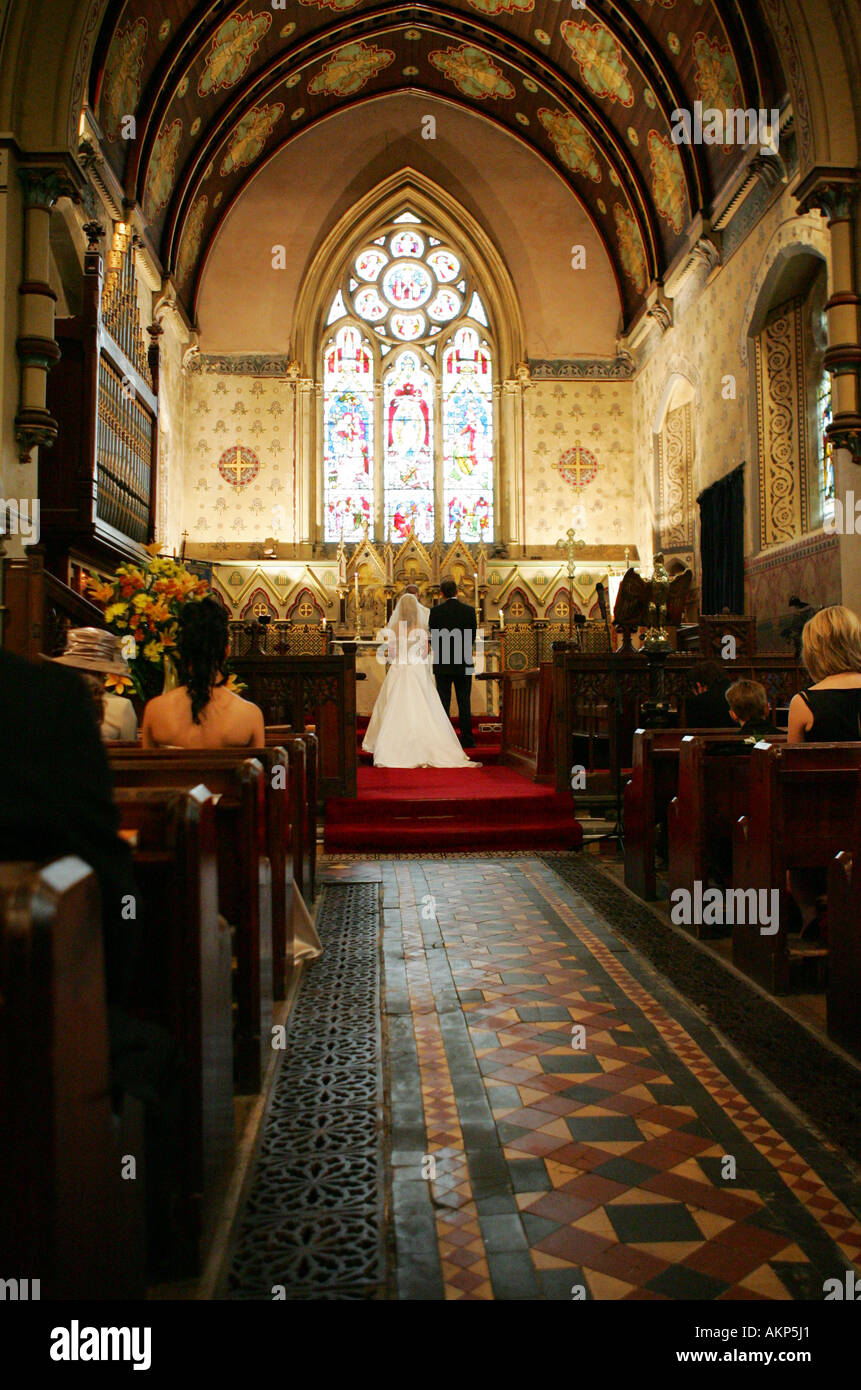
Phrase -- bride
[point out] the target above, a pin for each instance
(409, 727)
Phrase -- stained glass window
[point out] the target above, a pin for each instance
(467, 412)
(826, 449)
(386, 458)
(408, 459)
(348, 434)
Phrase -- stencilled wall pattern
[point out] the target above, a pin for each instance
(599, 502)
(675, 464)
(252, 497)
(782, 404)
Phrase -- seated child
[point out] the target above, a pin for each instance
(749, 708)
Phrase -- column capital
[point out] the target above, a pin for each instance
(45, 180)
(833, 192)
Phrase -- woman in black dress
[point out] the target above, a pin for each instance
(829, 711)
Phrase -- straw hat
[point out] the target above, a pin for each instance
(93, 649)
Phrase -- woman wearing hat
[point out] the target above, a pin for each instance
(96, 654)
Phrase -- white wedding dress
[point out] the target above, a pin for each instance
(409, 727)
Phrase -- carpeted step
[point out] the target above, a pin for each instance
(434, 836)
(430, 809)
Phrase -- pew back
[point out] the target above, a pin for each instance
(66, 1217)
(244, 880)
(804, 805)
(305, 760)
(183, 980)
(284, 810)
(653, 783)
(713, 790)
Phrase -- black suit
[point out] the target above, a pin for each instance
(453, 628)
(709, 710)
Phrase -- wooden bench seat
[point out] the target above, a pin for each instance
(646, 798)
(844, 945)
(284, 808)
(713, 790)
(307, 769)
(182, 980)
(244, 878)
(803, 810)
(67, 1219)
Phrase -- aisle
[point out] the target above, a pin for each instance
(525, 1159)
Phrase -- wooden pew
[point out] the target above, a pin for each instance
(646, 797)
(183, 980)
(803, 810)
(283, 736)
(66, 1217)
(244, 878)
(844, 945)
(284, 807)
(713, 790)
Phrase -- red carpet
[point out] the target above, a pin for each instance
(433, 809)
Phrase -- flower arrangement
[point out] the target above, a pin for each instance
(142, 605)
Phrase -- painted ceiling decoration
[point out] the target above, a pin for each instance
(216, 89)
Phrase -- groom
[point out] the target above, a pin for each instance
(452, 632)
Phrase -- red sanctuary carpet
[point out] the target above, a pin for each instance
(432, 809)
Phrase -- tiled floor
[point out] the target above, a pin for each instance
(563, 1125)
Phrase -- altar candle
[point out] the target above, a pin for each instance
(324, 622)
(356, 592)
(475, 577)
(501, 620)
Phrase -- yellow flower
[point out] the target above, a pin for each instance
(153, 651)
(234, 684)
(118, 684)
(118, 613)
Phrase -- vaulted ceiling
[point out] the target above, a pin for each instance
(215, 89)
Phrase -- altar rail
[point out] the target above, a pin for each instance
(585, 693)
(527, 721)
(316, 692)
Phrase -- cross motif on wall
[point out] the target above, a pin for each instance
(239, 467)
(305, 610)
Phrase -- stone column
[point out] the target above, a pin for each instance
(306, 400)
(834, 192)
(36, 346)
(510, 526)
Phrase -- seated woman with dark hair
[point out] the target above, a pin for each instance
(201, 712)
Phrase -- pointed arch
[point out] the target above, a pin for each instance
(428, 199)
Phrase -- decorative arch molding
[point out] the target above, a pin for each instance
(678, 369)
(356, 226)
(795, 236)
(814, 49)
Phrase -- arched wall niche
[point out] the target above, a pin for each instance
(782, 336)
(675, 453)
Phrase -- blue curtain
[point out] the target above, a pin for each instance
(722, 544)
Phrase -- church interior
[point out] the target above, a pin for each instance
(555, 307)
